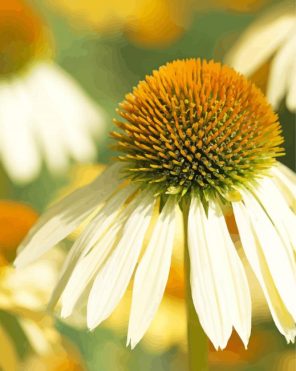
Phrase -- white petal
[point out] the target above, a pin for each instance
(46, 123)
(277, 209)
(253, 251)
(99, 236)
(286, 181)
(86, 269)
(279, 259)
(63, 114)
(66, 215)
(260, 41)
(152, 274)
(18, 147)
(70, 100)
(70, 110)
(112, 281)
(287, 172)
(291, 100)
(280, 72)
(219, 287)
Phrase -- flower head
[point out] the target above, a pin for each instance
(197, 126)
(44, 114)
(199, 136)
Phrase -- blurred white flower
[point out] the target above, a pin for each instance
(44, 114)
(272, 36)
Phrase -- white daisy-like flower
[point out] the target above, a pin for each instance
(200, 136)
(273, 36)
(44, 114)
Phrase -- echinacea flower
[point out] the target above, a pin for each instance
(198, 135)
(271, 38)
(44, 114)
(23, 297)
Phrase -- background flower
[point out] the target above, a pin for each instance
(44, 114)
(270, 40)
(23, 298)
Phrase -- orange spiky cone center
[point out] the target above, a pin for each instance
(197, 125)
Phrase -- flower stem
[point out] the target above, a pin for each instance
(196, 338)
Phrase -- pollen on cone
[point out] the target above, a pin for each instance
(197, 124)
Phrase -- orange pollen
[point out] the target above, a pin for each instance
(197, 125)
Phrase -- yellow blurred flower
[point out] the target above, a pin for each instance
(266, 53)
(15, 221)
(24, 295)
(148, 23)
(157, 22)
(286, 362)
(44, 114)
(59, 361)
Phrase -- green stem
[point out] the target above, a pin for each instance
(196, 338)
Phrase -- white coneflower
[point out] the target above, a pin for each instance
(271, 37)
(44, 114)
(198, 135)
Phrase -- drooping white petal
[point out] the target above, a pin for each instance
(286, 181)
(279, 259)
(90, 239)
(86, 269)
(287, 172)
(75, 114)
(46, 124)
(280, 72)
(18, 148)
(152, 274)
(79, 285)
(290, 99)
(255, 256)
(261, 40)
(70, 101)
(112, 280)
(219, 287)
(283, 218)
(66, 215)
